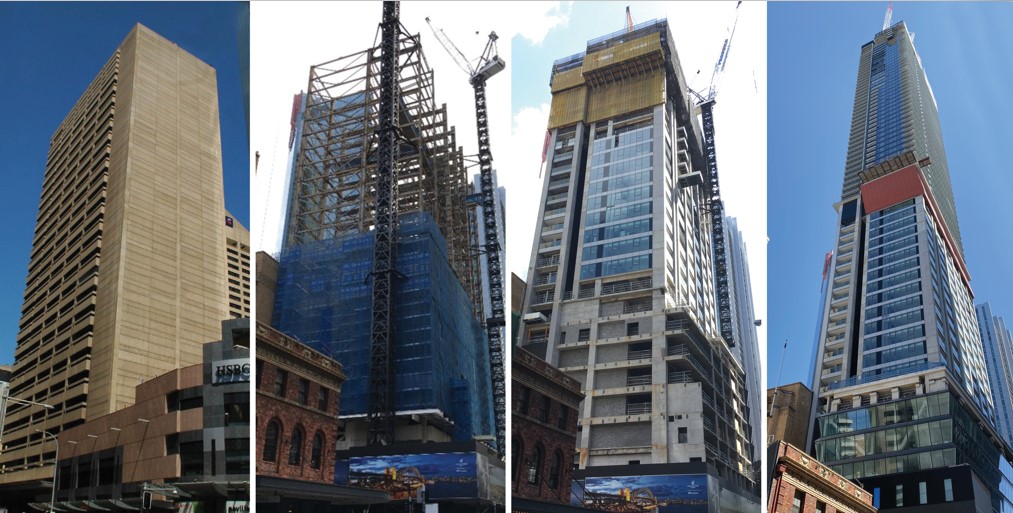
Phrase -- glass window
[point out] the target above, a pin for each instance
(322, 398)
(271, 441)
(554, 470)
(191, 458)
(317, 451)
(237, 456)
(295, 448)
(280, 380)
(948, 489)
(522, 400)
(534, 465)
(563, 418)
(237, 409)
(304, 391)
(899, 496)
(923, 493)
(683, 435)
(796, 503)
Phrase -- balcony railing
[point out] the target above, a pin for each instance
(638, 355)
(556, 197)
(626, 286)
(676, 325)
(643, 307)
(585, 293)
(547, 261)
(546, 280)
(543, 297)
(632, 381)
(681, 377)
(638, 408)
(551, 244)
(869, 378)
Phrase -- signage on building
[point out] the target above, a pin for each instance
(458, 475)
(670, 493)
(237, 507)
(228, 221)
(236, 370)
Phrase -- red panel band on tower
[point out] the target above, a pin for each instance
(902, 185)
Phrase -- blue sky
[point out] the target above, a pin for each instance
(49, 53)
(966, 49)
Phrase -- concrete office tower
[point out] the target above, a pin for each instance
(998, 344)
(237, 263)
(126, 279)
(747, 347)
(899, 342)
(621, 291)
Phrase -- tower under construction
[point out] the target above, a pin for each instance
(378, 267)
(622, 293)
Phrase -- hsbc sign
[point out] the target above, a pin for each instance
(230, 371)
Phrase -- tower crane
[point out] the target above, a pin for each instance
(713, 190)
(381, 372)
(488, 65)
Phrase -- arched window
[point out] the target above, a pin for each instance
(271, 440)
(517, 450)
(554, 468)
(535, 465)
(295, 449)
(318, 449)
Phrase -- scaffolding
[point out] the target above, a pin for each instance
(333, 181)
(440, 351)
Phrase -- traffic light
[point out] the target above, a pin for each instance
(146, 500)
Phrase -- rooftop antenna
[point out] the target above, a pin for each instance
(888, 17)
(629, 20)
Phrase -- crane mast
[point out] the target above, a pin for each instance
(381, 371)
(488, 65)
(713, 192)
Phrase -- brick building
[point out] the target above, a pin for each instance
(800, 484)
(298, 391)
(297, 408)
(543, 431)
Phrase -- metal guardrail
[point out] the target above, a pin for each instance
(546, 280)
(638, 355)
(540, 299)
(646, 307)
(542, 262)
(638, 408)
(626, 286)
(632, 381)
(871, 378)
(585, 293)
(681, 377)
(556, 197)
(676, 325)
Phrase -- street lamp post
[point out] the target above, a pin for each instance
(56, 468)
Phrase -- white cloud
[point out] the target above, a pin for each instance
(518, 170)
